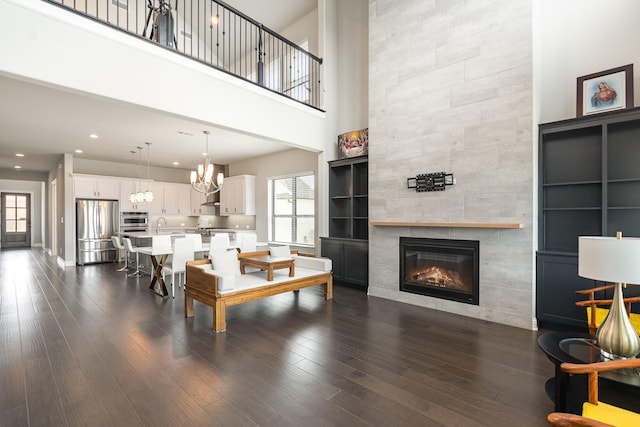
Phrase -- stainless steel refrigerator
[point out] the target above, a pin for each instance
(96, 222)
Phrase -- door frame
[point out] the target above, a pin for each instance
(3, 233)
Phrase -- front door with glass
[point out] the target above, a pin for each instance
(16, 220)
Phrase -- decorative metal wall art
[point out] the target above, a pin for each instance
(430, 181)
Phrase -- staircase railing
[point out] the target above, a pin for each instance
(215, 34)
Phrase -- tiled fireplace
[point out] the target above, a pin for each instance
(441, 268)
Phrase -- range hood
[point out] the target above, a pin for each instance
(212, 200)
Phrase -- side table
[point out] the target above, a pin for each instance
(569, 391)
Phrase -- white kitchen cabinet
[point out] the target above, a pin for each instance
(238, 195)
(196, 201)
(96, 187)
(170, 199)
(156, 206)
(184, 199)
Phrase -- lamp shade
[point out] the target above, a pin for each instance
(609, 259)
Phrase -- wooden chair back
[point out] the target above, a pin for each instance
(595, 413)
(592, 304)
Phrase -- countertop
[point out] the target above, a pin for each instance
(181, 232)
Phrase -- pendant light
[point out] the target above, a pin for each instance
(132, 196)
(139, 197)
(202, 177)
(148, 195)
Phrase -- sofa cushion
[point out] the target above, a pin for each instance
(280, 251)
(313, 263)
(258, 279)
(226, 263)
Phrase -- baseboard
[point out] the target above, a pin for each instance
(64, 264)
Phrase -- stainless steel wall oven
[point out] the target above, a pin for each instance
(134, 221)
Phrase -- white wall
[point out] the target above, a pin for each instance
(129, 170)
(306, 28)
(353, 66)
(580, 37)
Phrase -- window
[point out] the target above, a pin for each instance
(15, 213)
(298, 78)
(292, 209)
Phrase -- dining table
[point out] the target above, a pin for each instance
(158, 257)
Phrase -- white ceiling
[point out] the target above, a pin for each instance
(43, 122)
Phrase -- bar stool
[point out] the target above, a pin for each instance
(130, 249)
(120, 247)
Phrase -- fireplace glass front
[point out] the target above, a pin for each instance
(440, 268)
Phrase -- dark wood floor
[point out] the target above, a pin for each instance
(86, 347)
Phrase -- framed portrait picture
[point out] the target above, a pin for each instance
(607, 90)
(353, 144)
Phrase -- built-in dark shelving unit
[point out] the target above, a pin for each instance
(589, 184)
(347, 244)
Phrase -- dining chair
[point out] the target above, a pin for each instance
(248, 242)
(197, 245)
(120, 247)
(219, 243)
(131, 250)
(196, 239)
(182, 253)
(160, 242)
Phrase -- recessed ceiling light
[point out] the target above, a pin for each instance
(79, 151)
(17, 167)
(93, 136)
(19, 155)
(181, 132)
(175, 163)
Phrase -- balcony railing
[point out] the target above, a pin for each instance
(213, 33)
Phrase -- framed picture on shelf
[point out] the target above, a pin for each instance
(607, 90)
(353, 144)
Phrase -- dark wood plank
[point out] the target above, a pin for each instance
(89, 346)
(16, 417)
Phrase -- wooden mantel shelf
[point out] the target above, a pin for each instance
(446, 224)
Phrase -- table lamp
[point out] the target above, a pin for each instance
(615, 260)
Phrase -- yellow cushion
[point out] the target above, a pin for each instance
(601, 314)
(610, 414)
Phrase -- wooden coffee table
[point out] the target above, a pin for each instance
(268, 263)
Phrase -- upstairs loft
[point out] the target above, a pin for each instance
(214, 33)
(47, 45)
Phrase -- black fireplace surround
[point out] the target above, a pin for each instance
(440, 268)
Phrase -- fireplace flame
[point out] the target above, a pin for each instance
(440, 277)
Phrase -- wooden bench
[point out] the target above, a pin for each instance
(205, 286)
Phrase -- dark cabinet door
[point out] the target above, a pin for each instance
(356, 263)
(334, 249)
(350, 260)
(557, 283)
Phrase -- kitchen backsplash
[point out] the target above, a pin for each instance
(214, 221)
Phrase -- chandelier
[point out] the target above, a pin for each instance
(142, 196)
(202, 178)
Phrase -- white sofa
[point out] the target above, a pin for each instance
(225, 286)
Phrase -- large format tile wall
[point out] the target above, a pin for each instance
(451, 90)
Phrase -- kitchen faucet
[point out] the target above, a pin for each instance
(164, 221)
